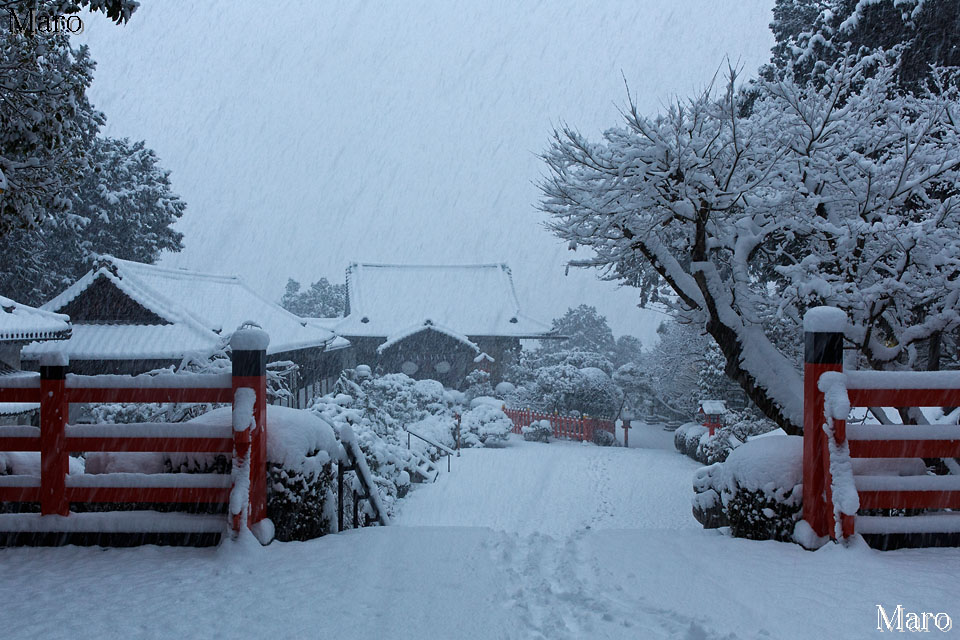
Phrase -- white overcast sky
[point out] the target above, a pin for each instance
(305, 135)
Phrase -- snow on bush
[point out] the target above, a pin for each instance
(504, 389)
(478, 384)
(566, 389)
(757, 491)
(693, 440)
(301, 450)
(484, 425)
(603, 438)
(687, 438)
(537, 431)
(378, 410)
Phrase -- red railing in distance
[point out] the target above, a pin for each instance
(580, 428)
(829, 394)
(55, 390)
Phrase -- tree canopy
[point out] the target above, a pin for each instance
(739, 219)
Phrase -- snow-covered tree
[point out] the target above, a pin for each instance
(321, 300)
(585, 329)
(837, 192)
(123, 206)
(627, 349)
(47, 124)
(813, 34)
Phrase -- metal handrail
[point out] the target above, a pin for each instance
(444, 450)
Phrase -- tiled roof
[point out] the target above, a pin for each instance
(474, 300)
(426, 326)
(200, 307)
(22, 323)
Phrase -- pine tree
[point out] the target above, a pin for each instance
(124, 206)
(47, 124)
(321, 300)
(811, 35)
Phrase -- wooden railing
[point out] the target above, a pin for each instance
(55, 390)
(571, 427)
(832, 495)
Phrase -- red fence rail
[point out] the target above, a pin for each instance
(829, 394)
(55, 390)
(571, 427)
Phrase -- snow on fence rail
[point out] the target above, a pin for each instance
(832, 495)
(573, 427)
(54, 390)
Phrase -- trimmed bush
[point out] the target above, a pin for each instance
(757, 491)
(484, 425)
(604, 438)
(537, 431)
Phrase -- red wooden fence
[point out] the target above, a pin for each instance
(55, 439)
(571, 427)
(829, 393)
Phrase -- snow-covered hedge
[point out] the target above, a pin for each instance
(537, 431)
(687, 438)
(378, 410)
(603, 438)
(756, 491)
(301, 454)
(566, 389)
(483, 425)
(301, 451)
(692, 440)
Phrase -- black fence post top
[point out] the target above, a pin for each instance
(53, 366)
(823, 329)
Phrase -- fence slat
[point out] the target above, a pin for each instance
(112, 395)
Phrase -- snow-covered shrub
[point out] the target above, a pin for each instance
(504, 389)
(757, 491)
(537, 431)
(604, 438)
(402, 398)
(478, 384)
(687, 438)
(301, 451)
(484, 425)
(566, 389)
(740, 425)
(378, 410)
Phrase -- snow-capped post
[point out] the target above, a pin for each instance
(54, 459)
(823, 329)
(249, 362)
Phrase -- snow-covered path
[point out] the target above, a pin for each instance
(500, 548)
(558, 489)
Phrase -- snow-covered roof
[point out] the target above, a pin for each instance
(129, 342)
(17, 408)
(713, 407)
(473, 300)
(324, 323)
(200, 307)
(427, 325)
(23, 323)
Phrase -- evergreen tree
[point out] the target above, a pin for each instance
(585, 329)
(124, 206)
(321, 300)
(811, 35)
(628, 349)
(47, 124)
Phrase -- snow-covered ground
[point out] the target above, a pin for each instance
(528, 541)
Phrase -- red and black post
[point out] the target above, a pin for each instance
(822, 352)
(54, 459)
(249, 362)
